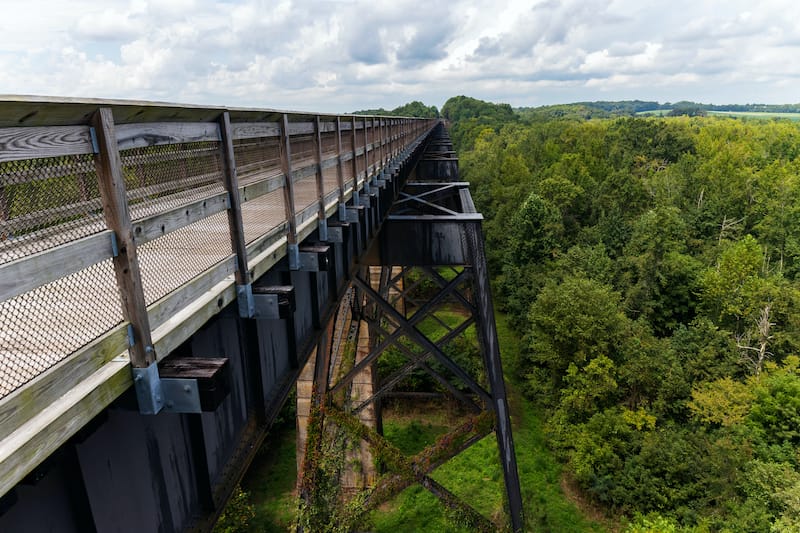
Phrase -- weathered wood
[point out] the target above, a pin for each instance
(126, 265)
(286, 166)
(212, 375)
(320, 182)
(366, 151)
(178, 327)
(35, 142)
(255, 130)
(155, 134)
(49, 428)
(339, 160)
(155, 226)
(235, 224)
(39, 269)
(354, 160)
(300, 128)
(182, 297)
(24, 404)
(265, 241)
(253, 190)
(182, 312)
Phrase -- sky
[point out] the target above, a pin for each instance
(343, 55)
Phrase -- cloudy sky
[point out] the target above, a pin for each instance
(342, 55)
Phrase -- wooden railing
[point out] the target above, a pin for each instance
(125, 226)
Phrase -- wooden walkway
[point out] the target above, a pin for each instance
(143, 217)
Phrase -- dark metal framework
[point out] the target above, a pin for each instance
(434, 232)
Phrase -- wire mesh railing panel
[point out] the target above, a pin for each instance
(159, 178)
(262, 214)
(347, 140)
(40, 328)
(360, 166)
(47, 202)
(256, 158)
(329, 143)
(305, 193)
(330, 179)
(304, 150)
(170, 261)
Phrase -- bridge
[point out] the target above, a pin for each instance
(166, 272)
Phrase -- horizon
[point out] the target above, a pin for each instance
(337, 55)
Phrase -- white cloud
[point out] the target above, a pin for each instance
(344, 55)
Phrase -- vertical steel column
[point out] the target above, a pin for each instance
(487, 331)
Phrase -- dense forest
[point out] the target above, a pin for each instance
(652, 268)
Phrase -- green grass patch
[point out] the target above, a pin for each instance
(271, 482)
(413, 436)
(756, 114)
(474, 475)
(414, 509)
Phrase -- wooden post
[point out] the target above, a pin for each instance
(354, 161)
(339, 163)
(231, 182)
(321, 220)
(288, 189)
(126, 265)
(382, 153)
(366, 152)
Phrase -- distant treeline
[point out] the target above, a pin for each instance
(607, 109)
(411, 109)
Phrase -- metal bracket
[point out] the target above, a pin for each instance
(293, 254)
(322, 228)
(149, 393)
(266, 307)
(244, 297)
(131, 336)
(114, 244)
(182, 395)
(352, 215)
(274, 302)
(95, 144)
(335, 234)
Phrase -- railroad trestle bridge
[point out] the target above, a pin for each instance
(166, 271)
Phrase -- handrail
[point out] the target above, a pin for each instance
(160, 177)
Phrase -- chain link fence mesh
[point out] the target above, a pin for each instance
(47, 202)
(159, 178)
(40, 328)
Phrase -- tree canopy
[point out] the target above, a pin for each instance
(652, 267)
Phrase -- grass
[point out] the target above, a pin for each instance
(739, 114)
(474, 475)
(271, 482)
(756, 114)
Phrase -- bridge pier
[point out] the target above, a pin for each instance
(432, 228)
